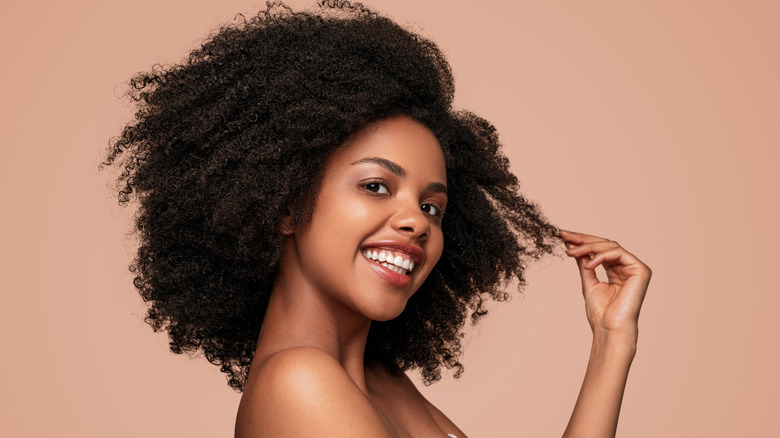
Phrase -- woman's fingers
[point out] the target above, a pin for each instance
(592, 251)
(572, 237)
(610, 256)
(579, 238)
(588, 276)
(582, 247)
(592, 248)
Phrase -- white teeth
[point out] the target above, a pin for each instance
(393, 268)
(398, 263)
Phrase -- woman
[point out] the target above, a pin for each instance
(316, 219)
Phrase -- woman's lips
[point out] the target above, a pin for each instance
(387, 274)
(401, 254)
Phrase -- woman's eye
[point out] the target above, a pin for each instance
(377, 187)
(431, 209)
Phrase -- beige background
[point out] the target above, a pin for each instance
(654, 123)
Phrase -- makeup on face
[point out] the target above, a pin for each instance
(375, 232)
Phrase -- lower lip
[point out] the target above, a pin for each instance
(392, 277)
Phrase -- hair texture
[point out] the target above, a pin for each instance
(229, 142)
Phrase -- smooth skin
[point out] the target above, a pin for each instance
(308, 376)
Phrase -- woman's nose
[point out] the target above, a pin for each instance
(412, 221)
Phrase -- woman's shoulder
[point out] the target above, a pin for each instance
(292, 392)
(296, 362)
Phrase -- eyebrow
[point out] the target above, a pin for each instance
(398, 170)
(387, 164)
(437, 188)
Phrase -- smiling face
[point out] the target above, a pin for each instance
(375, 232)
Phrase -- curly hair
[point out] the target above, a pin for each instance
(226, 144)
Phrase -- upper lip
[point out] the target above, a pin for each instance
(415, 252)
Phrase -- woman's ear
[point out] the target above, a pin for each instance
(285, 226)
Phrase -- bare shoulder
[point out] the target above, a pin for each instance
(303, 392)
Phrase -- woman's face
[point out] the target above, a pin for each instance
(375, 232)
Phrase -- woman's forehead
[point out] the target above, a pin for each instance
(398, 141)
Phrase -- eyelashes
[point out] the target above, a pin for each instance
(433, 210)
(377, 187)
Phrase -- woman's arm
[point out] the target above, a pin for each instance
(612, 309)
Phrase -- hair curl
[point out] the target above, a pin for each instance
(230, 141)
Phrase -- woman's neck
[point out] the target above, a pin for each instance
(299, 316)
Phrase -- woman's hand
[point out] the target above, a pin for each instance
(612, 307)
(613, 313)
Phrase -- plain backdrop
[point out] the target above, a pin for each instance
(654, 123)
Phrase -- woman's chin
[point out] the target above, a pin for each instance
(386, 312)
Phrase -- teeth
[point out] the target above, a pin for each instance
(400, 263)
(393, 268)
